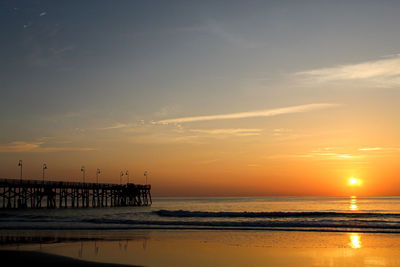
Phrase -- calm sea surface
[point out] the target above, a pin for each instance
(364, 214)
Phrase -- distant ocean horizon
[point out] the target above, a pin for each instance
(344, 214)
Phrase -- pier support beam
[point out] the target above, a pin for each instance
(17, 194)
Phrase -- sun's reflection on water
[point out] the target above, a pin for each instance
(355, 240)
(353, 203)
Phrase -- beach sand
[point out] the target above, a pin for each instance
(161, 248)
(34, 258)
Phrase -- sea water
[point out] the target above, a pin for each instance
(362, 214)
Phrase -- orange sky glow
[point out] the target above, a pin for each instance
(209, 99)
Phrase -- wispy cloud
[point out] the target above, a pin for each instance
(21, 146)
(325, 153)
(379, 149)
(337, 153)
(280, 131)
(236, 132)
(370, 149)
(332, 153)
(251, 114)
(165, 139)
(224, 32)
(319, 156)
(207, 162)
(385, 72)
(253, 165)
(284, 134)
(130, 127)
(168, 110)
(61, 50)
(58, 149)
(115, 126)
(27, 25)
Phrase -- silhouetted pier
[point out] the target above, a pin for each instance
(16, 194)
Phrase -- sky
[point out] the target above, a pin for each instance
(211, 98)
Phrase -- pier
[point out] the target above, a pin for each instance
(23, 194)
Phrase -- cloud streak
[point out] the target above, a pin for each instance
(379, 149)
(21, 146)
(252, 114)
(115, 126)
(236, 131)
(225, 33)
(383, 71)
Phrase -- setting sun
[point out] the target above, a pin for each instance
(354, 181)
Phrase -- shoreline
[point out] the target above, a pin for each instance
(200, 248)
(35, 258)
(222, 229)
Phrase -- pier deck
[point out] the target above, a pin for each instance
(15, 193)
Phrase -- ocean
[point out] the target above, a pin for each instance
(342, 214)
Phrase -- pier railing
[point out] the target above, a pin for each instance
(16, 193)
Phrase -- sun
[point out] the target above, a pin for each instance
(354, 181)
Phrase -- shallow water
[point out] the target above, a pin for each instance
(377, 214)
(217, 248)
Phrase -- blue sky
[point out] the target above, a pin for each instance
(92, 75)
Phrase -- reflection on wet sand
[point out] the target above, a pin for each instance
(233, 248)
(96, 248)
(355, 240)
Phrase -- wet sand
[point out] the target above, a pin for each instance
(34, 258)
(213, 248)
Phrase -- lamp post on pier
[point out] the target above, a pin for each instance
(145, 174)
(44, 168)
(83, 170)
(20, 165)
(97, 175)
(127, 176)
(120, 177)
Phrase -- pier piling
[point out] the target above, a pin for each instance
(19, 194)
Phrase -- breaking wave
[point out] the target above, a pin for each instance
(302, 214)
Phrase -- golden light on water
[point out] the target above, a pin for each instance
(353, 203)
(355, 240)
(353, 207)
